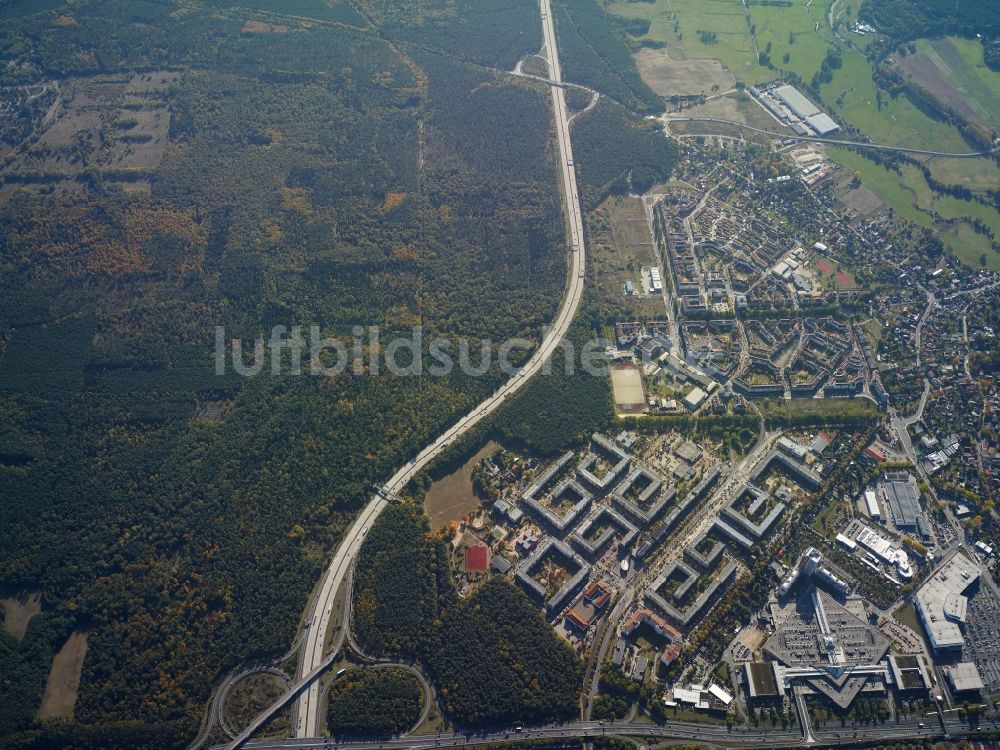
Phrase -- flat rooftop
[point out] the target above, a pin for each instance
(939, 601)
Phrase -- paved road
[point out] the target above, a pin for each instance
(667, 119)
(704, 733)
(308, 704)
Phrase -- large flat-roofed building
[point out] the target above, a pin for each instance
(965, 678)
(822, 123)
(903, 500)
(650, 498)
(792, 448)
(599, 528)
(827, 648)
(602, 448)
(763, 681)
(792, 98)
(577, 572)
(694, 399)
(646, 618)
(910, 673)
(871, 505)
(678, 606)
(941, 604)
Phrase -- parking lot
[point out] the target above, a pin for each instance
(982, 635)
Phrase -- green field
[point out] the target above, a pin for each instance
(960, 62)
(970, 247)
(881, 181)
(726, 19)
(975, 174)
(792, 31)
(853, 97)
(802, 31)
(886, 184)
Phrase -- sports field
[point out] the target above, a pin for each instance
(626, 383)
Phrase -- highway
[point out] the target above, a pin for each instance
(712, 734)
(308, 708)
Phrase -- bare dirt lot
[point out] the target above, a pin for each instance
(669, 77)
(932, 78)
(18, 611)
(64, 679)
(451, 497)
(737, 107)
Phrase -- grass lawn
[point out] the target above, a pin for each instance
(969, 247)
(825, 407)
(874, 330)
(914, 178)
(733, 46)
(908, 616)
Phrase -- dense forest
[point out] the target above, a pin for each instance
(594, 53)
(374, 702)
(315, 173)
(497, 632)
(616, 152)
(566, 405)
(905, 20)
(401, 584)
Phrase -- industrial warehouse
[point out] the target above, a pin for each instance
(794, 109)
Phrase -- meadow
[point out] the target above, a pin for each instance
(954, 71)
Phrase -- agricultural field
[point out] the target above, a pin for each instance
(953, 70)
(882, 182)
(975, 174)
(971, 248)
(670, 77)
(853, 97)
(799, 31)
(697, 29)
(725, 31)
